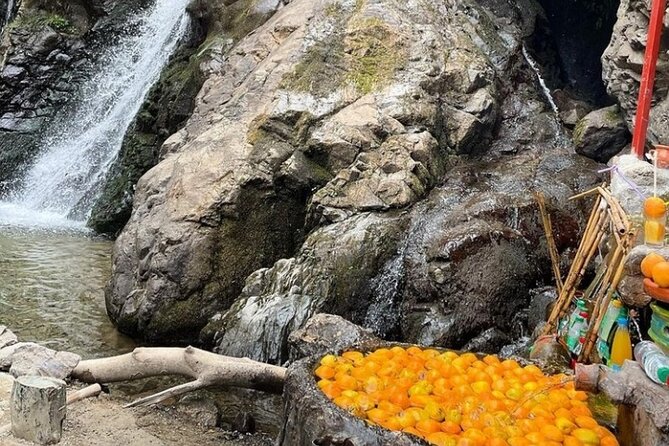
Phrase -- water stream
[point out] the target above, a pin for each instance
(78, 149)
(52, 269)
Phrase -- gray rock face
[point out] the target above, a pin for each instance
(331, 273)
(622, 65)
(292, 125)
(325, 333)
(601, 134)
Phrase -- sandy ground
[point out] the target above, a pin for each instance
(103, 421)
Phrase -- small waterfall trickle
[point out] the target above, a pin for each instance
(9, 13)
(78, 149)
(560, 136)
(383, 315)
(544, 88)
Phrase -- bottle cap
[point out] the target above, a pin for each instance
(581, 304)
(622, 320)
(663, 374)
(616, 303)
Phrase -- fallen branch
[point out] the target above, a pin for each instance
(86, 392)
(207, 369)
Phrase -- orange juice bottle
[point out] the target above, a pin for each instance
(622, 345)
(655, 216)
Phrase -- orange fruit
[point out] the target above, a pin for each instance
(609, 441)
(450, 427)
(552, 433)
(586, 422)
(572, 441)
(654, 207)
(649, 262)
(661, 274)
(587, 436)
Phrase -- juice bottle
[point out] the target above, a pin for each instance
(613, 312)
(655, 216)
(621, 349)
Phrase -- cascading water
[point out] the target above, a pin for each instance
(382, 315)
(10, 11)
(63, 183)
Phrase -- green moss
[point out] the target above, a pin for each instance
(321, 70)
(579, 132)
(242, 19)
(364, 53)
(376, 55)
(41, 19)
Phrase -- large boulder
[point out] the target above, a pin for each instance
(623, 62)
(331, 113)
(478, 247)
(601, 134)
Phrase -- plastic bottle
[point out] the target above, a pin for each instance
(613, 312)
(653, 360)
(576, 330)
(621, 349)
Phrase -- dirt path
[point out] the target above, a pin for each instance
(104, 422)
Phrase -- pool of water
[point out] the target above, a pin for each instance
(52, 288)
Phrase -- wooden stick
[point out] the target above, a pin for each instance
(591, 336)
(86, 392)
(550, 241)
(584, 194)
(569, 288)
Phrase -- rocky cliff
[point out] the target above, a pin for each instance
(623, 63)
(332, 140)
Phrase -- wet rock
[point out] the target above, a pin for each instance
(472, 256)
(571, 109)
(200, 410)
(490, 341)
(27, 358)
(331, 273)
(551, 354)
(541, 304)
(640, 173)
(7, 338)
(325, 333)
(601, 134)
(632, 293)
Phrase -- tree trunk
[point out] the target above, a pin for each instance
(38, 409)
(207, 369)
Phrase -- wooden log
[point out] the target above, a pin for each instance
(207, 369)
(38, 409)
(86, 392)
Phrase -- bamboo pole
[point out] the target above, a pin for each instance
(591, 336)
(569, 288)
(550, 241)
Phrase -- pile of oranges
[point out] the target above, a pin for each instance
(655, 267)
(460, 400)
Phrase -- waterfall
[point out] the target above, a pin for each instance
(383, 314)
(10, 11)
(78, 149)
(544, 88)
